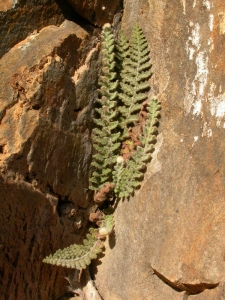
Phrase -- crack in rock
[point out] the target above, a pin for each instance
(190, 288)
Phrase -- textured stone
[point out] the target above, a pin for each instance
(39, 92)
(169, 236)
(6, 5)
(29, 230)
(20, 18)
(48, 83)
(97, 12)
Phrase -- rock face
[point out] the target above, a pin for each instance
(169, 237)
(45, 120)
(20, 18)
(40, 89)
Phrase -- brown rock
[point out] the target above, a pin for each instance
(169, 238)
(18, 19)
(28, 231)
(97, 12)
(213, 294)
(5, 5)
(44, 155)
(38, 91)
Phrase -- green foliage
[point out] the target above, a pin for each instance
(132, 63)
(135, 72)
(127, 174)
(122, 52)
(122, 108)
(106, 134)
(126, 118)
(80, 256)
(107, 224)
(77, 256)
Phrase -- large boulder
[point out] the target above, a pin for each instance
(169, 238)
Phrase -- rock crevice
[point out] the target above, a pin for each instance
(190, 288)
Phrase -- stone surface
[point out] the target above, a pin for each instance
(20, 18)
(6, 5)
(29, 230)
(97, 12)
(38, 90)
(48, 83)
(169, 238)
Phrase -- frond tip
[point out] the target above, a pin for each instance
(78, 256)
(135, 71)
(106, 134)
(107, 226)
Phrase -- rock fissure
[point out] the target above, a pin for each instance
(190, 288)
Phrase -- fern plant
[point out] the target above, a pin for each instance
(132, 63)
(80, 256)
(77, 256)
(122, 108)
(105, 135)
(123, 137)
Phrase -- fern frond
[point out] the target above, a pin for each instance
(121, 54)
(135, 72)
(107, 132)
(126, 176)
(78, 256)
(132, 63)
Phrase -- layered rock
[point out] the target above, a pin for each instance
(48, 83)
(20, 18)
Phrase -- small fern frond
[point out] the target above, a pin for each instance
(106, 135)
(78, 256)
(135, 73)
(127, 174)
